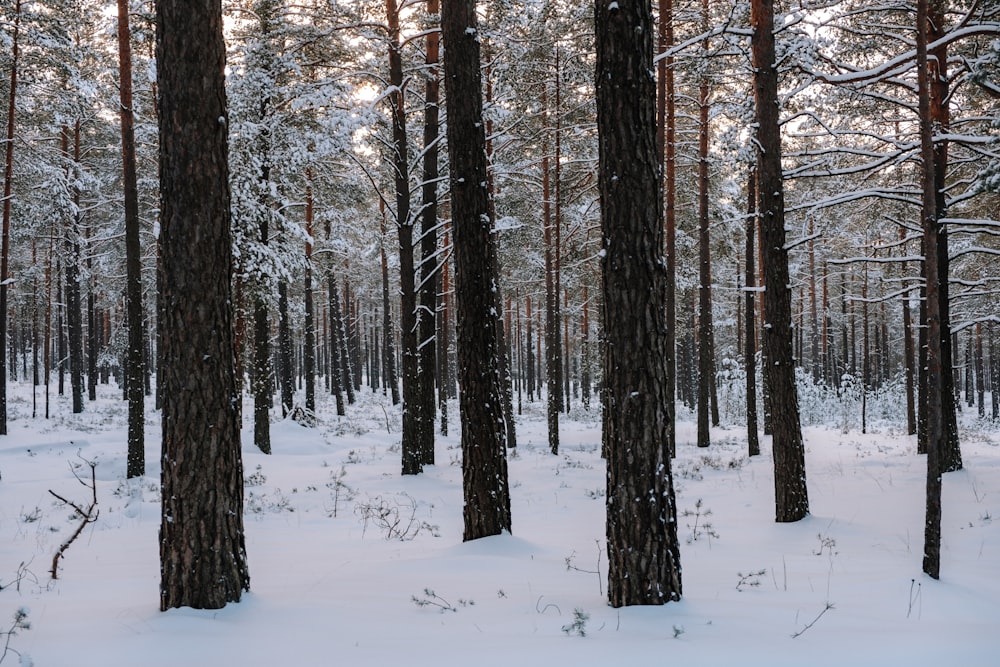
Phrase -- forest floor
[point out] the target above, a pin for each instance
(353, 564)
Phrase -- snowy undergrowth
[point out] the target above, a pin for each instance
(353, 564)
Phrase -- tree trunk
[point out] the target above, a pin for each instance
(484, 463)
(427, 366)
(336, 344)
(553, 356)
(135, 362)
(665, 123)
(202, 549)
(412, 448)
(791, 496)
(309, 333)
(908, 354)
(286, 381)
(8, 182)
(74, 316)
(643, 552)
(388, 345)
(706, 364)
(934, 394)
(750, 337)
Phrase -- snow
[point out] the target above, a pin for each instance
(330, 587)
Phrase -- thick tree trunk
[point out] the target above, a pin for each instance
(791, 496)
(484, 463)
(135, 361)
(643, 552)
(202, 550)
(666, 149)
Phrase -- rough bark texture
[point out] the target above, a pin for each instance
(791, 496)
(134, 358)
(202, 552)
(643, 552)
(484, 463)
(706, 335)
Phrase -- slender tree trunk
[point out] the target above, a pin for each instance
(135, 363)
(643, 551)
(935, 360)
(286, 380)
(427, 367)
(553, 357)
(444, 337)
(8, 182)
(706, 364)
(750, 337)
(484, 463)
(940, 118)
(202, 548)
(980, 371)
(412, 448)
(908, 354)
(388, 345)
(74, 317)
(666, 130)
(309, 335)
(336, 344)
(791, 496)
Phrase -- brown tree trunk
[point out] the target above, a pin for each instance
(427, 367)
(484, 463)
(286, 381)
(706, 362)
(202, 549)
(336, 344)
(135, 362)
(666, 130)
(388, 344)
(908, 355)
(8, 182)
(553, 357)
(934, 394)
(750, 350)
(643, 551)
(412, 448)
(791, 496)
(309, 333)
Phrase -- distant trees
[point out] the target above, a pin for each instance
(202, 551)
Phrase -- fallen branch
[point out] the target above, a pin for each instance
(86, 516)
(828, 607)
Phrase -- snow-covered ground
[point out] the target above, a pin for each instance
(353, 564)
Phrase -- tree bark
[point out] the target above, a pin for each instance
(135, 362)
(286, 381)
(8, 182)
(484, 463)
(336, 344)
(934, 394)
(74, 316)
(706, 362)
(791, 496)
(202, 550)
(427, 366)
(750, 337)
(643, 551)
